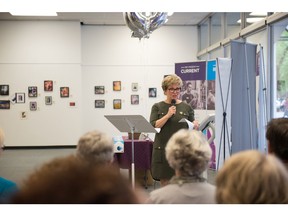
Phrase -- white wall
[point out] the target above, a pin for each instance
(82, 57)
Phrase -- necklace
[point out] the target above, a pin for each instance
(180, 180)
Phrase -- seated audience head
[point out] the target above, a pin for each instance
(277, 138)
(250, 177)
(188, 152)
(69, 180)
(95, 147)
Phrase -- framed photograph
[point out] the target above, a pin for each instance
(33, 105)
(152, 92)
(32, 91)
(20, 97)
(4, 89)
(99, 103)
(117, 103)
(64, 92)
(48, 100)
(48, 85)
(116, 85)
(4, 104)
(134, 86)
(99, 89)
(134, 99)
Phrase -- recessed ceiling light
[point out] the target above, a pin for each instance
(252, 19)
(33, 13)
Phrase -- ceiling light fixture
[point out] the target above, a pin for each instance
(252, 19)
(33, 13)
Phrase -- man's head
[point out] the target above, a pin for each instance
(277, 137)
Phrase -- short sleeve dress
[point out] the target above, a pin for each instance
(160, 168)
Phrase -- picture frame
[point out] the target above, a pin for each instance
(117, 103)
(20, 97)
(32, 91)
(116, 85)
(152, 92)
(64, 92)
(134, 99)
(48, 100)
(4, 104)
(33, 105)
(4, 90)
(99, 89)
(48, 85)
(134, 86)
(99, 103)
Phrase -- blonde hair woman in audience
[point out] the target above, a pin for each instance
(250, 177)
(188, 153)
(96, 147)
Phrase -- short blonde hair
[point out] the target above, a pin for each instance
(250, 177)
(95, 147)
(188, 152)
(170, 80)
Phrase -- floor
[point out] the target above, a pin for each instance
(16, 164)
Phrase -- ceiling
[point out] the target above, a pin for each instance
(108, 18)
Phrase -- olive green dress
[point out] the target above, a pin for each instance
(160, 168)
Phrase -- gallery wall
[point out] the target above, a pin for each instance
(82, 57)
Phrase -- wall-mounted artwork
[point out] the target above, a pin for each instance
(134, 86)
(116, 85)
(99, 89)
(32, 91)
(48, 85)
(64, 91)
(4, 104)
(4, 89)
(48, 100)
(20, 97)
(134, 99)
(117, 104)
(33, 105)
(99, 103)
(152, 92)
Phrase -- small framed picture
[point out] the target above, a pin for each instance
(152, 92)
(32, 91)
(20, 97)
(134, 86)
(99, 103)
(33, 105)
(4, 104)
(4, 89)
(117, 104)
(134, 99)
(48, 85)
(48, 100)
(99, 89)
(116, 85)
(64, 91)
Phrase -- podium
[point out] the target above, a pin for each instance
(131, 124)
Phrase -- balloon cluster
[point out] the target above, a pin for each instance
(143, 24)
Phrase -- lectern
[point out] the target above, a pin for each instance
(131, 124)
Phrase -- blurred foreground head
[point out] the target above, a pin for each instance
(250, 177)
(70, 180)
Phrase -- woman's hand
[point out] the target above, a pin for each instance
(196, 125)
(171, 111)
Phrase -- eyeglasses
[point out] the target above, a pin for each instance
(174, 90)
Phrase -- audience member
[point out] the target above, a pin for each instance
(188, 153)
(7, 187)
(96, 147)
(69, 180)
(277, 138)
(250, 177)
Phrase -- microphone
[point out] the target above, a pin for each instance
(173, 102)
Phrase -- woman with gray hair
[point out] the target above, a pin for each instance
(96, 147)
(188, 153)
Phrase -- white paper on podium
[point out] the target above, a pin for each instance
(190, 124)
